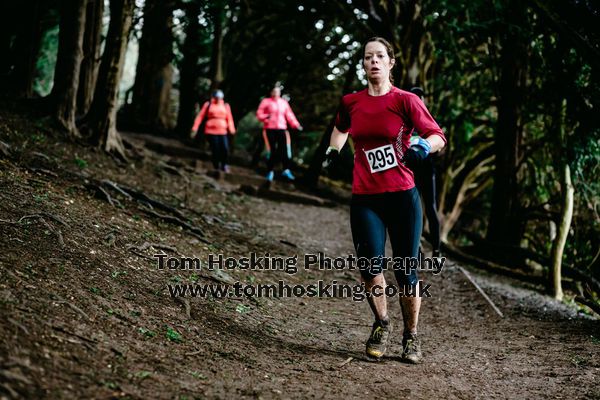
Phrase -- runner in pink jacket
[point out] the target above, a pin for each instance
(276, 115)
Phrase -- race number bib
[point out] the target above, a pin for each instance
(381, 158)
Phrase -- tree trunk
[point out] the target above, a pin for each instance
(472, 184)
(91, 55)
(316, 164)
(20, 44)
(151, 101)
(101, 119)
(216, 61)
(68, 63)
(402, 23)
(505, 226)
(564, 226)
(187, 81)
(566, 214)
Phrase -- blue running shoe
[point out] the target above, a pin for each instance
(288, 174)
(270, 176)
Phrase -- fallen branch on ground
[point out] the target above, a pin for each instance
(73, 307)
(461, 255)
(485, 296)
(595, 307)
(63, 330)
(346, 362)
(43, 171)
(18, 325)
(147, 245)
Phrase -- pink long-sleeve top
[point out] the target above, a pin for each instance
(276, 113)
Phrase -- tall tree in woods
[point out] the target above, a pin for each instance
(315, 167)
(505, 225)
(566, 205)
(101, 118)
(217, 13)
(68, 63)
(91, 55)
(458, 100)
(188, 69)
(151, 100)
(403, 24)
(21, 29)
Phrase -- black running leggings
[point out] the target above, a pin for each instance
(399, 213)
(280, 151)
(219, 146)
(425, 181)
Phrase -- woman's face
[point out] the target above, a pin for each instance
(377, 62)
(275, 92)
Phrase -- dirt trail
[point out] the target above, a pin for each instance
(94, 318)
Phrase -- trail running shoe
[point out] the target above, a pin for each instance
(226, 169)
(270, 176)
(288, 174)
(411, 348)
(377, 343)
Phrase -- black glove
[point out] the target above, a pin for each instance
(331, 155)
(414, 156)
(417, 152)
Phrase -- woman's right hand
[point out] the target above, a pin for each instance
(331, 155)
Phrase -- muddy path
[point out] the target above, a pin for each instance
(85, 313)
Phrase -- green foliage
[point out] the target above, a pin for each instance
(95, 290)
(44, 68)
(173, 336)
(80, 162)
(198, 375)
(249, 130)
(143, 374)
(147, 333)
(242, 309)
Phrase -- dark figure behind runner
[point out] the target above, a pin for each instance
(425, 181)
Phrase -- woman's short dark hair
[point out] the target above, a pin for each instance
(388, 48)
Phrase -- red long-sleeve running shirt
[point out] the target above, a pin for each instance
(381, 127)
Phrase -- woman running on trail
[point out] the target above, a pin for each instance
(276, 114)
(425, 182)
(219, 122)
(380, 120)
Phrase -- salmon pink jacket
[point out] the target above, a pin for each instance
(276, 113)
(219, 122)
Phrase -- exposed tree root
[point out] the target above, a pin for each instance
(137, 250)
(148, 204)
(176, 221)
(40, 217)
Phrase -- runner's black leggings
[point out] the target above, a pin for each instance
(219, 146)
(425, 181)
(399, 213)
(279, 148)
